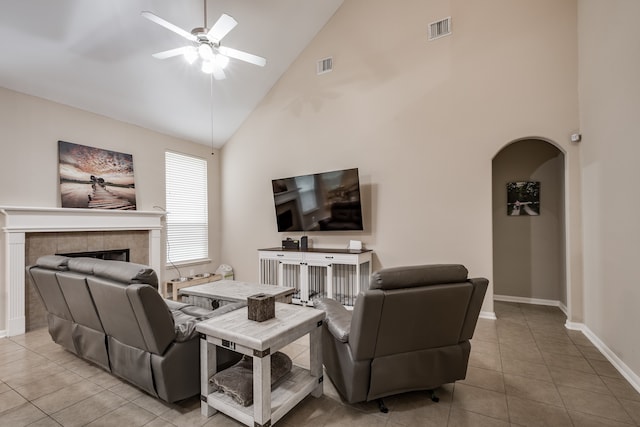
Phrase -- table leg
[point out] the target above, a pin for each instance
(315, 354)
(208, 367)
(163, 289)
(262, 390)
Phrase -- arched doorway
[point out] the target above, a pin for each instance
(528, 238)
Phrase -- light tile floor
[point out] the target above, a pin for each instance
(525, 369)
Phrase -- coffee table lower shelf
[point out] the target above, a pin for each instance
(295, 387)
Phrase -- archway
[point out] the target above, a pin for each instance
(529, 261)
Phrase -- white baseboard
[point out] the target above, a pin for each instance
(488, 315)
(624, 370)
(535, 301)
(3, 334)
(573, 326)
(622, 367)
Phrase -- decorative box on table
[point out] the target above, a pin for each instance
(261, 307)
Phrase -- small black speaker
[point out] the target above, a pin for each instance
(290, 244)
(304, 244)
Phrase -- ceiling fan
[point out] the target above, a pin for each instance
(206, 44)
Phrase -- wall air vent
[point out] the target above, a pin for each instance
(440, 28)
(325, 65)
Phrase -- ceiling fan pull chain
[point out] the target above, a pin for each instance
(212, 113)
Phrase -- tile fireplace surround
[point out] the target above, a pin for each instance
(17, 222)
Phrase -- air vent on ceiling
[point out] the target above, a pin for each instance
(440, 28)
(325, 65)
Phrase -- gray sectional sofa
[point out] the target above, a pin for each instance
(111, 314)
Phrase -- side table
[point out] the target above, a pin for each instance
(259, 340)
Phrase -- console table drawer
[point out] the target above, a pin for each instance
(331, 258)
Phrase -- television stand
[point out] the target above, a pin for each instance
(317, 273)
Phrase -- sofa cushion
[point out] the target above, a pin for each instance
(418, 275)
(55, 262)
(83, 265)
(127, 272)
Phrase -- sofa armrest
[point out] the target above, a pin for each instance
(184, 326)
(174, 305)
(223, 309)
(338, 318)
(186, 318)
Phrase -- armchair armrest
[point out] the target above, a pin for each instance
(338, 318)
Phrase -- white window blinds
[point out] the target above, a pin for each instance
(187, 215)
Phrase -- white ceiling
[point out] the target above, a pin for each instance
(96, 56)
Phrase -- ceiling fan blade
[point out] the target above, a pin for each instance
(221, 28)
(243, 56)
(172, 52)
(218, 73)
(168, 25)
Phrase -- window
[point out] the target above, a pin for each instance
(306, 188)
(187, 213)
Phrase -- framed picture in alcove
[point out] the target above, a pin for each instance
(93, 178)
(523, 198)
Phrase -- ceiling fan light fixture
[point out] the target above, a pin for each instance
(207, 67)
(206, 45)
(206, 52)
(191, 55)
(222, 61)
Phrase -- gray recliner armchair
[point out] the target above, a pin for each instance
(409, 331)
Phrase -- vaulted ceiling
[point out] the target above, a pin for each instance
(96, 56)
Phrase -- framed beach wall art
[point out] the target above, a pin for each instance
(523, 198)
(93, 178)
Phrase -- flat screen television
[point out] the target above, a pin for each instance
(327, 201)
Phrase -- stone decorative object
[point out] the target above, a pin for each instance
(261, 307)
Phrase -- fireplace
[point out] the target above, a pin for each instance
(96, 244)
(111, 254)
(61, 230)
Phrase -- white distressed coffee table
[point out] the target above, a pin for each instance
(234, 291)
(259, 340)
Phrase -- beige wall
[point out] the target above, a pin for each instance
(609, 107)
(31, 128)
(421, 120)
(528, 251)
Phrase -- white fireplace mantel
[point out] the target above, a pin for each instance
(15, 222)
